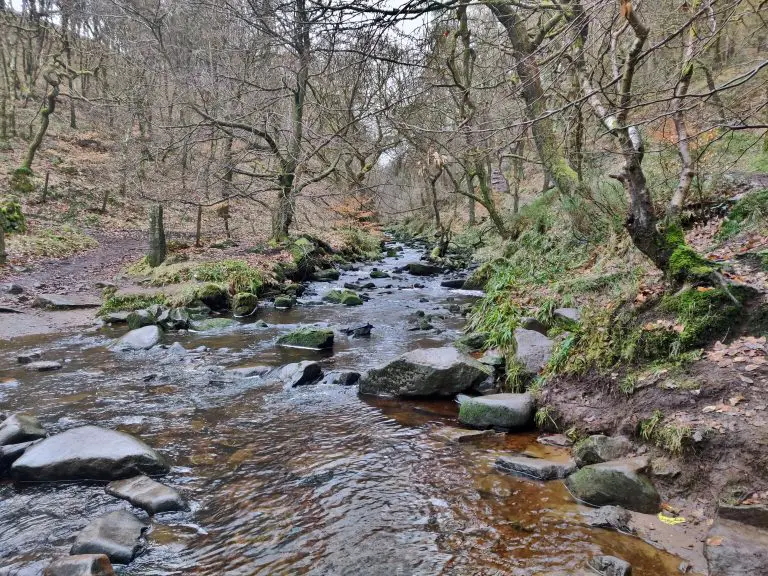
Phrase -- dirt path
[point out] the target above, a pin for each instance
(76, 276)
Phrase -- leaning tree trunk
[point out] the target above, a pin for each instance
(157, 248)
(53, 92)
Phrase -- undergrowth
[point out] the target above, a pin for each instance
(48, 242)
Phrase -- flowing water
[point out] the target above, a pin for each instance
(314, 480)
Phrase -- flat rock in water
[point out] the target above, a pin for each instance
(27, 357)
(139, 339)
(536, 468)
(419, 269)
(503, 411)
(20, 428)
(610, 566)
(81, 565)
(147, 494)
(12, 452)
(736, 549)
(599, 448)
(57, 302)
(300, 374)
(88, 453)
(533, 350)
(117, 535)
(249, 371)
(425, 372)
(459, 435)
(43, 366)
(453, 283)
(610, 517)
(559, 440)
(617, 482)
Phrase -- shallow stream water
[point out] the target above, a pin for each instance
(314, 480)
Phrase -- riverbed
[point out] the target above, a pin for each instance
(312, 480)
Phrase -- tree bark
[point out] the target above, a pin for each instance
(53, 92)
(157, 247)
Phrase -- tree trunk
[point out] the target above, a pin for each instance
(45, 113)
(199, 227)
(3, 255)
(157, 248)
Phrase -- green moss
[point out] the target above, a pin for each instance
(670, 437)
(244, 304)
(12, 218)
(284, 302)
(361, 244)
(472, 342)
(125, 302)
(346, 297)
(308, 338)
(748, 214)
(686, 264)
(212, 324)
(21, 181)
(236, 273)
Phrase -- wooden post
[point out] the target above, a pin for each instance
(157, 248)
(198, 231)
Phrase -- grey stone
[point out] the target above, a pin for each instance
(20, 428)
(610, 566)
(664, 467)
(358, 330)
(88, 453)
(419, 269)
(533, 350)
(567, 314)
(177, 349)
(618, 482)
(12, 452)
(560, 440)
(249, 371)
(536, 468)
(493, 357)
(610, 517)
(13, 288)
(140, 318)
(438, 372)
(736, 549)
(503, 411)
(300, 374)
(43, 366)
(342, 378)
(453, 283)
(753, 514)
(600, 448)
(58, 302)
(116, 535)
(116, 317)
(139, 339)
(81, 565)
(459, 435)
(531, 323)
(147, 494)
(28, 357)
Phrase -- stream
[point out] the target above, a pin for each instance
(313, 480)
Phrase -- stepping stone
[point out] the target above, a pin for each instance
(43, 366)
(28, 357)
(536, 468)
(505, 411)
(459, 435)
(117, 535)
(81, 565)
(20, 428)
(147, 494)
(57, 302)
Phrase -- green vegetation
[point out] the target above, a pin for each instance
(308, 338)
(117, 302)
(360, 244)
(670, 437)
(345, 297)
(12, 218)
(21, 181)
(237, 274)
(48, 242)
(749, 214)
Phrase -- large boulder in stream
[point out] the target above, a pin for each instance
(313, 338)
(435, 372)
(420, 269)
(618, 482)
(500, 411)
(139, 339)
(20, 428)
(116, 535)
(88, 453)
(81, 565)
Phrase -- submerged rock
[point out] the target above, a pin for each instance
(88, 453)
(327, 275)
(502, 411)
(376, 273)
(600, 448)
(459, 435)
(536, 468)
(533, 350)
(212, 324)
(618, 482)
(735, 549)
(300, 374)
(81, 565)
(43, 366)
(139, 339)
(453, 283)
(147, 494)
(439, 372)
(610, 566)
(315, 338)
(116, 535)
(20, 428)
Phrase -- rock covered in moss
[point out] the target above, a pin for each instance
(345, 297)
(284, 302)
(215, 296)
(472, 342)
(208, 324)
(327, 275)
(139, 319)
(315, 338)
(376, 273)
(12, 218)
(421, 269)
(426, 372)
(535, 468)
(244, 304)
(500, 411)
(618, 482)
(479, 278)
(600, 448)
